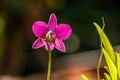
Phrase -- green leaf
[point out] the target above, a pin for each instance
(106, 68)
(111, 67)
(84, 77)
(118, 64)
(107, 77)
(106, 43)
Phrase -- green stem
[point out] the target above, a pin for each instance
(98, 67)
(49, 63)
(101, 54)
(49, 66)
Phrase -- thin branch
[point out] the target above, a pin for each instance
(101, 54)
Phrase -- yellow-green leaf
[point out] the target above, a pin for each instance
(107, 77)
(118, 64)
(106, 68)
(111, 67)
(84, 77)
(105, 41)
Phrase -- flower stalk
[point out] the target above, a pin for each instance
(49, 63)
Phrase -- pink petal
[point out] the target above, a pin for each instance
(60, 45)
(51, 45)
(39, 28)
(37, 44)
(52, 22)
(63, 31)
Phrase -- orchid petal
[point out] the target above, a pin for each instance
(51, 45)
(39, 29)
(60, 45)
(52, 22)
(63, 31)
(37, 44)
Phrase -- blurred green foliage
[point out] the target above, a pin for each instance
(2, 34)
(55, 4)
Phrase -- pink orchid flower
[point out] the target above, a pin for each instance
(51, 33)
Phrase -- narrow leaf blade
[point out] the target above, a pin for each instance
(111, 67)
(118, 64)
(105, 42)
(107, 77)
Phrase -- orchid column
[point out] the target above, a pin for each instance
(50, 35)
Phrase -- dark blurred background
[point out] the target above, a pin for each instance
(16, 37)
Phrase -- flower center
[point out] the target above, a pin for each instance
(50, 36)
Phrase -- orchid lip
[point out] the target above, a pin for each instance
(50, 36)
